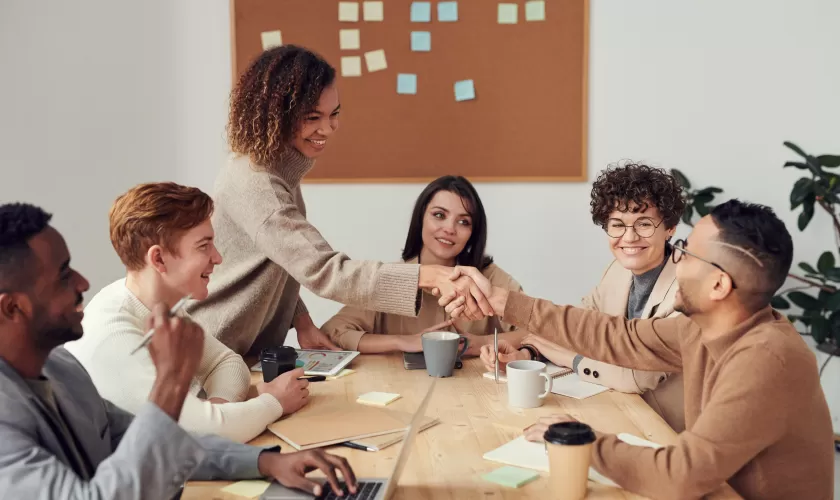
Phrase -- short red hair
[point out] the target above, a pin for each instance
(155, 214)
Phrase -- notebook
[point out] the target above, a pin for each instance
(523, 453)
(570, 385)
(379, 443)
(551, 370)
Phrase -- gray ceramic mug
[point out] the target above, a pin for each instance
(440, 350)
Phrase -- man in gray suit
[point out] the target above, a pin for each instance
(58, 438)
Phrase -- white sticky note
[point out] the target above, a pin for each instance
(464, 90)
(447, 12)
(375, 60)
(421, 41)
(535, 10)
(373, 11)
(348, 12)
(247, 489)
(378, 398)
(406, 83)
(508, 13)
(346, 371)
(349, 39)
(271, 39)
(351, 66)
(421, 12)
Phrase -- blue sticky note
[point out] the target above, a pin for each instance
(464, 90)
(406, 83)
(447, 12)
(421, 41)
(421, 12)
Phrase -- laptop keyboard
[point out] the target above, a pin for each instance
(365, 491)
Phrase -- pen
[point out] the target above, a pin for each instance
(146, 338)
(496, 346)
(355, 446)
(314, 378)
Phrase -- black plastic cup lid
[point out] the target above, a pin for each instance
(569, 433)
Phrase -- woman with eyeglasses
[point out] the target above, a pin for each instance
(639, 208)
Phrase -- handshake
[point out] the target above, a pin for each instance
(463, 291)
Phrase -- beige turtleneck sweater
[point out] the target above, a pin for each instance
(270, 249)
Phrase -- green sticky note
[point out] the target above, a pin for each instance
(299, 364)
(512, 477)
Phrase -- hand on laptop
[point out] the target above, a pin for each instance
(290, 469)
(293, 394)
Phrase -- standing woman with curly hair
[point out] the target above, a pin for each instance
(283, 112)
(638, 208)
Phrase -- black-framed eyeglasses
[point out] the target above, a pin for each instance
(644, 227)
(678, 249)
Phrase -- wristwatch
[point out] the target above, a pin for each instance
(535, 354)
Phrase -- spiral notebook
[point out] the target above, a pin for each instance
(551, 370)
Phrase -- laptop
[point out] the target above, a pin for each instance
(368, 488)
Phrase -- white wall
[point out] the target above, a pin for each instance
(97, 95)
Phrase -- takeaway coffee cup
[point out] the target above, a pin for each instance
(527, 383)
(440, 351)
(568, 445)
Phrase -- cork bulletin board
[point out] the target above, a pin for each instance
(524, 121)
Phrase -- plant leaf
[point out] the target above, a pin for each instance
(819, 329)
(833, 274)
(806, 215)
(702, 210)
(829, 161)
(800, 191)
(803, 300)
(834, 326)
(832, 302)
(807, 268)
(682, 179)
(826, 262)
(687, 214)
(795, 148)
(702, 199)
(780, 303)
(797, 164)
(708, 190)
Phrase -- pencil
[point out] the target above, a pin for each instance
(496, 347)
(148, 337)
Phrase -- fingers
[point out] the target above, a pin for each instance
(458, 312)
(481, 300)
(302, 483)
(318, 460)
(451, 302)
(346, 471)
(535, 433)
(507, 357)
(472, 311)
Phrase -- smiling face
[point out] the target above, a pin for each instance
(318, 125)
(637, 253)
(447, 227)
(187, 270)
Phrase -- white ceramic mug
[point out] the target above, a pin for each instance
(526, 387)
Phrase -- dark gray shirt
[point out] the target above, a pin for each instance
(641, 288)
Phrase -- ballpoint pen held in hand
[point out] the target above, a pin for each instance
(148, 337)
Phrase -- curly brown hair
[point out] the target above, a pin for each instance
(268, 104)
(620, 185)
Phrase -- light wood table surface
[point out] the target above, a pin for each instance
(446, 461)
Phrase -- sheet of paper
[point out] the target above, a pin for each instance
(349, 39)
(271, 39)
(378, 398)
(247, 489)
(346, 371)
(572, 386)
(373, 11)
(535, 10)
(348, 12)
(421, 12)
(376, 60)
(464, 90)
(351, 66)
(512, 477)
(406, 83)
(421, 41)
(508, 13)
(447, 12)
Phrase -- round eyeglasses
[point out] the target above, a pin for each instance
(644, 227)
(678, 251)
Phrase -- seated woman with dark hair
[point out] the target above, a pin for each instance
(639, 208)
(448, 227)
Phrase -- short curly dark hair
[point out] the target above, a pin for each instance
(19, 222)
(269, 102)
(620, 185)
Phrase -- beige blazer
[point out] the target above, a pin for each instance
(662, 391)
(350, 323)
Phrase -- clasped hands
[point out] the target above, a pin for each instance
(464, 292)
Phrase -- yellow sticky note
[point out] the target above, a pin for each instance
(351, 66)
(348, 12)
(247, 489)
(535, 10)
(508, 13)
(376, 60)
(271, 39)
(373, 11)
(346, 371)
(378, 398)
(349, 39)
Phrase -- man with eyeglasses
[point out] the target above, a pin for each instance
(756, 416)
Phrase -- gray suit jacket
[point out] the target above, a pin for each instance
(144, 456)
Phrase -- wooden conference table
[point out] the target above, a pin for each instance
(446, 461)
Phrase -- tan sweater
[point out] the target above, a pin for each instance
(756, 415)
(350, 323)
(270, 249)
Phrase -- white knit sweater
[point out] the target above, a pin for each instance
(114, 323)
